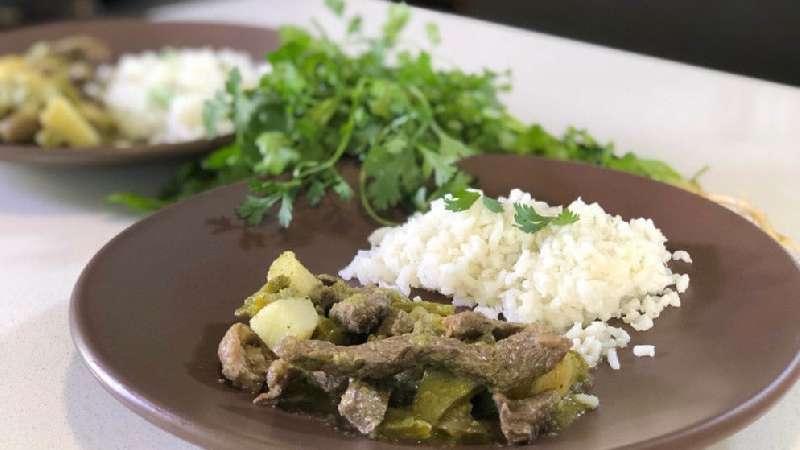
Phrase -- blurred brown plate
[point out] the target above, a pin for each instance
(132, 36)
(149, 309)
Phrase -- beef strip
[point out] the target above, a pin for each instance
(331, 290)
(502, 366)
(523, 420)
(328, 383)
(328, 280)
(469, 325)
(244, 358)
(361, 312)
(364, 406)
(397, 322)
(281, 373)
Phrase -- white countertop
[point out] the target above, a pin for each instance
(53, 220)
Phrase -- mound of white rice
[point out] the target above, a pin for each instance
(588, 272)
(158, 97)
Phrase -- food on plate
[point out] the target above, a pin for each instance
(68, 93)
(536, 286)
(389, 367)
(572, 269)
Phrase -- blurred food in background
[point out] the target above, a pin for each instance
(45, 94)
(69, 93)
(158, 96)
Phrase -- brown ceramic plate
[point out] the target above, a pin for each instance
(149, 309)
(131, 36)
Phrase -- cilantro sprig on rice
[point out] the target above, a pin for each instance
(525, 216)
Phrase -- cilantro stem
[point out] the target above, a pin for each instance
(362, 192)
(423, 100)
(346, 134)
(695, 179)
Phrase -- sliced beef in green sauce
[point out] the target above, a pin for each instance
(360, 313)
(364, 405)
(523, 420)
(244, 358)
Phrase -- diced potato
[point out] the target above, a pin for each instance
(300, 279)
(286, 317)
(59, 118)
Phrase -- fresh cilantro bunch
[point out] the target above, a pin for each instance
(403, 122)
(525, 217)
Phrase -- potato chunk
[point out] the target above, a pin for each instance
(60, 119)
(300, 279)
(286, 317)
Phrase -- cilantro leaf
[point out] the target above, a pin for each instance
(315, 192)
(528, 220)
(276, 151)
(565, 218)
(285, 211)
(343, 189)
(442, 166)
(492, 204)
(215, 110)
(432, 30)
(650, 168)
(392, 169)
(336, 6)
(461, 201)
(222, 158)
(253, 209)
(135, 201)
(354, 25)
(443, 162)
(397, 20)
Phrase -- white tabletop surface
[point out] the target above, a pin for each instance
(53, 220)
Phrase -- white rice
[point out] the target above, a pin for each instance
(591, 271)
(158, 97)
(644, 350)
(682, 255)
(597, 340)
(613, 359)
